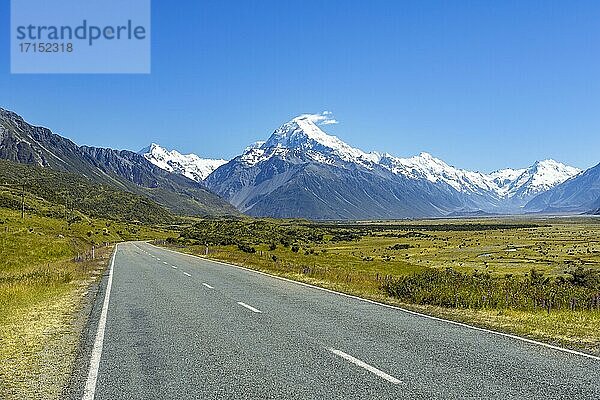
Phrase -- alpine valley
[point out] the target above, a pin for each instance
(302, 172)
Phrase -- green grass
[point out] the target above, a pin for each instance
(41, 290)
(58, 194)
(360, 258)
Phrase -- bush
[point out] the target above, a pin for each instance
(295, 248)
(345, 237)
(450, 288)
(246, 248)
(399, 246)
(585, 277)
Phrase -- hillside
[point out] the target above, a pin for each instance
(65, 192)
(124, 170)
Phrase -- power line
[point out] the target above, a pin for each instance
(22, 186)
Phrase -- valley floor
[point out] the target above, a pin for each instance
(499, 251)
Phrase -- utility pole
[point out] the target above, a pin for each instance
(23, 201)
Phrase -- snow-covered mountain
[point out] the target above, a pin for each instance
(518, 185)
(301, 171)
(580, 193)
(425, 166)
(503, 178)
(524, 184)
(189, 165)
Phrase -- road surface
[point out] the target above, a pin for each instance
(179, 327)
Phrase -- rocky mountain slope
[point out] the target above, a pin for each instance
(124, 170)
(301, 171)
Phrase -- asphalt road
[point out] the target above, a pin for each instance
(179, 327)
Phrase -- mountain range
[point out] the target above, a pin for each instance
(188, 165)
(120, 169)
(301, 171)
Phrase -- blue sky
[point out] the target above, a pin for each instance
(482, 85)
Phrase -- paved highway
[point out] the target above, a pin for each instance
(179, 327)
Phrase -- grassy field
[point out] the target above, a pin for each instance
(45, 271)
(483, 266)
(61, 194)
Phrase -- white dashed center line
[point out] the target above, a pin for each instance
(174, 267)
(186, 274)
(208, 286)
(164, 262)
(256, 310)
(366, 366)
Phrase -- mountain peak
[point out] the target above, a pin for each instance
(550, 163)
(426, 156)
(548, 173)
(299, 131)
(540, 176)
(148, 149)
(189, 165)
(302, 133)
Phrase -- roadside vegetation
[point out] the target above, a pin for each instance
(48, 261)
(538, 278)
(64, 195)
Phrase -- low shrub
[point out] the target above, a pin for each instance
(450, 288)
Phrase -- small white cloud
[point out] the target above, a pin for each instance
(325, 118)
(329, 122)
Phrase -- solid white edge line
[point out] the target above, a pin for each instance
(90, 384)
(256, 310)
(364, 365)
(462, 324)
(207, 285)
(186, 274)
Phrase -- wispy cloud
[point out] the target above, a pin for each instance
(325, 118)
